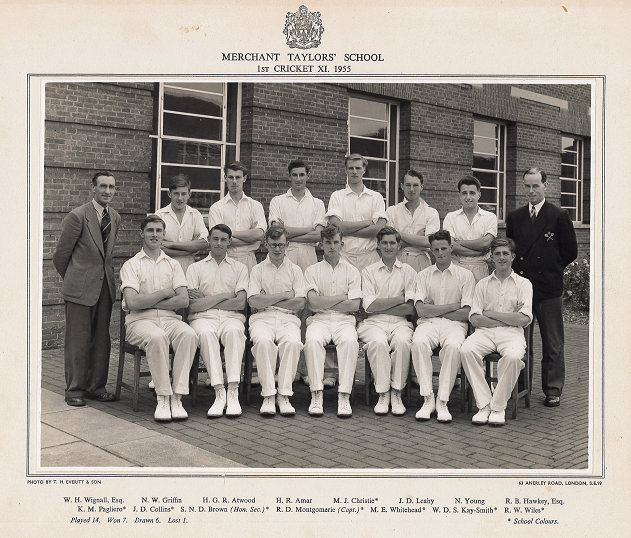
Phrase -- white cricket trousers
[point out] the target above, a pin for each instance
(510, 343)
(431, 333)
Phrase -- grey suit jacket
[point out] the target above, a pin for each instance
(80, 257)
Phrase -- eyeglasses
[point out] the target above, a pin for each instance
(274, 246)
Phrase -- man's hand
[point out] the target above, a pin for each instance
(428, 300)
(194, 294)
(169, 292)
(278, 221)
(518, 306)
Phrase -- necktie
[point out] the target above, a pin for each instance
(533, 214)
(106, 226)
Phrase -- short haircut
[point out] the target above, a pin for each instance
(298, 164)
(536, 170)
(388, 230)
(152, 218)
(222, 228)
(470, 180)
(101, 173)
(440, 235)
(275, 232)
(412, 173)
(503, 243)
(330, 232)
(356, 157)
(235, 167)
(181, 180)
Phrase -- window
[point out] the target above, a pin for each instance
(373, 131)
(572, 177)
(198, 133)
(489, 164)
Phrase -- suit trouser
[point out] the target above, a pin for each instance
(87, 345)
(344, 336)
(363, 260)
(549, 314)
(430, 334)
(479, 268)
(388, 340)
(510, 343)
(153, 336)
(266, 329)
(228, 329)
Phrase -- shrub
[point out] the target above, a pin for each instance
(576, 284)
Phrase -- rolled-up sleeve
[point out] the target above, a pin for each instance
(258, 215)
(243, 279)
(468, 289)
(478, 298)
(378, 209)
(299, 282)
(410, 283)
(335, 206)
(354, 283)
(179, 280)
(311, 283)
(421, 287)
(524, 296)
(254, 286)
(433, 221)
(274, 210)
(368, 289)
(192, 277)
(130, 276)
(491, 225)
(214, 214)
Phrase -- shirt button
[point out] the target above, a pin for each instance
(522, 258)
(521, 272)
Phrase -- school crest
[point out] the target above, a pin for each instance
(303, 29)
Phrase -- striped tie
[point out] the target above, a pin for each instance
(533, 214)
(106, 226)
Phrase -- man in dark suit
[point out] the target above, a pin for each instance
(546, 244)
(83, 258)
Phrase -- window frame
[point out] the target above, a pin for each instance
(501, 159)
(161, 137)
(580, 164)
(391, 180)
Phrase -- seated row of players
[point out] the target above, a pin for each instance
(215, 288)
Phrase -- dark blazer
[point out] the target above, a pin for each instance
(543, 249)
(80, 257)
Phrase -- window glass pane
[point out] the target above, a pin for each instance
(487, 163)
(568, 200)
(376, 169)
(231, 154)
(486, 179)
(568, 186)
(193, 102)
(181, 152)
(231, 122)
(203, 200)
(569, 144)
(485, 145)
(370, 128)
(375, 185)
(214, 87)
(368, 109)
(393, 132)
(489, 196)
(483, 128)
(572, 213)
(201, 178)
(568, 158)
(369, 148)
(569, 171)
(191, 127)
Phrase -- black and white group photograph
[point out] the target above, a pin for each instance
(325, 275)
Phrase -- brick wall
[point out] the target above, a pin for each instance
(91, 127)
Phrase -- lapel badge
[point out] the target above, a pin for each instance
(550, 236)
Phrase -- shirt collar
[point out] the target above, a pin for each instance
(397, 263)
(285, 260)
(512, 275)
(290, 194)
(169, 209)
(143, 254)
(340, 262)
(348, 190)
(449, 269)
(228, 199)
(537, 207)
(210, 258)
(99, 208)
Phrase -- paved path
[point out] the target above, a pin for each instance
(112, 435)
